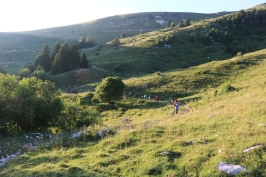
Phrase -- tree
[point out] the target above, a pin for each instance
(44, 58)
(84, 61)
(37, 104)
(2, 70)
(29, 104)
(25, 72)
(74, 57)
(81, 43)
(172, 25)
(55, 51)
(123, 35)
(115, 42)
(181, 24)
(110, 89)
(187, 22)
(62, 62)
(89, 42)
(168, 24)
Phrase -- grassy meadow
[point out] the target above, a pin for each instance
(222, 106)
(215, 125)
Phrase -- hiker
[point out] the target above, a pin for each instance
(170, 100)
(176, 108)
(144, 96)
(175, 101)
(157, 98)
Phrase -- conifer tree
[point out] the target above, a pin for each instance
(168, 24)
(43, 58)
(187, 22)
(89, 42)
(55, 51)
(181, 24)
(84, 61)
(81, 43)
(74, 57)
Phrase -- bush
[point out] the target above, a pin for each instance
(225, 88)
(118, 68)
(24, 72)
(115, 42)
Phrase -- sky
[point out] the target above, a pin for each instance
(24, 15)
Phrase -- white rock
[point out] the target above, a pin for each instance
(230, 168)
(100, 133)
(251, 148)
(164, 153)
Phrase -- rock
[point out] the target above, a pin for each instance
(164, 153)
(230, 168)
(254, 147)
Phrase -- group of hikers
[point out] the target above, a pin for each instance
(171, 100)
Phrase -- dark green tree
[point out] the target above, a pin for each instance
(2, 70)
(81, 42)
(55, 51)
(187, 22)
(89, 42)
(57, 68)
(84, 61)
(29, 104)
(37, 104)
(74, 57)
(123, 35)
(63, 57)
(172, 25)
(115, 42)
(43, 58)
(110, 89)
(168, 24)
(181, 24)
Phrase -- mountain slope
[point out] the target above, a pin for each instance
(216, 125)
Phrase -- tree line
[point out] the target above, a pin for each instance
(64, 58)
(235, 26)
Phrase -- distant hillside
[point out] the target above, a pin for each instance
(19, 49)
(259, 6)
(105, 29)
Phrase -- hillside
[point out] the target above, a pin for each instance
(19, 49)
(216, 125)
(215, 68)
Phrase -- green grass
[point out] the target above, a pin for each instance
(223, 115)
(220, 123)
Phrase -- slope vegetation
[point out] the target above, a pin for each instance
(224, 114)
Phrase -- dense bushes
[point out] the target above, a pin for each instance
(32, 104)
(28, 104)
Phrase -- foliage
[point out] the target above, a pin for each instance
(44, 59)
(115, 42)
(76, 116)
(85, 42)
(25, 72)
(74, 57)
(123, 35)
(2, 70)
(118, 68)
(31, 104)
(110, 89)
(40, 73)
(84, 61)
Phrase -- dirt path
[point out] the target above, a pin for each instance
(99, 69)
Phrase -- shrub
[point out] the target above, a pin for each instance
(118, 68)
(225, 88)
